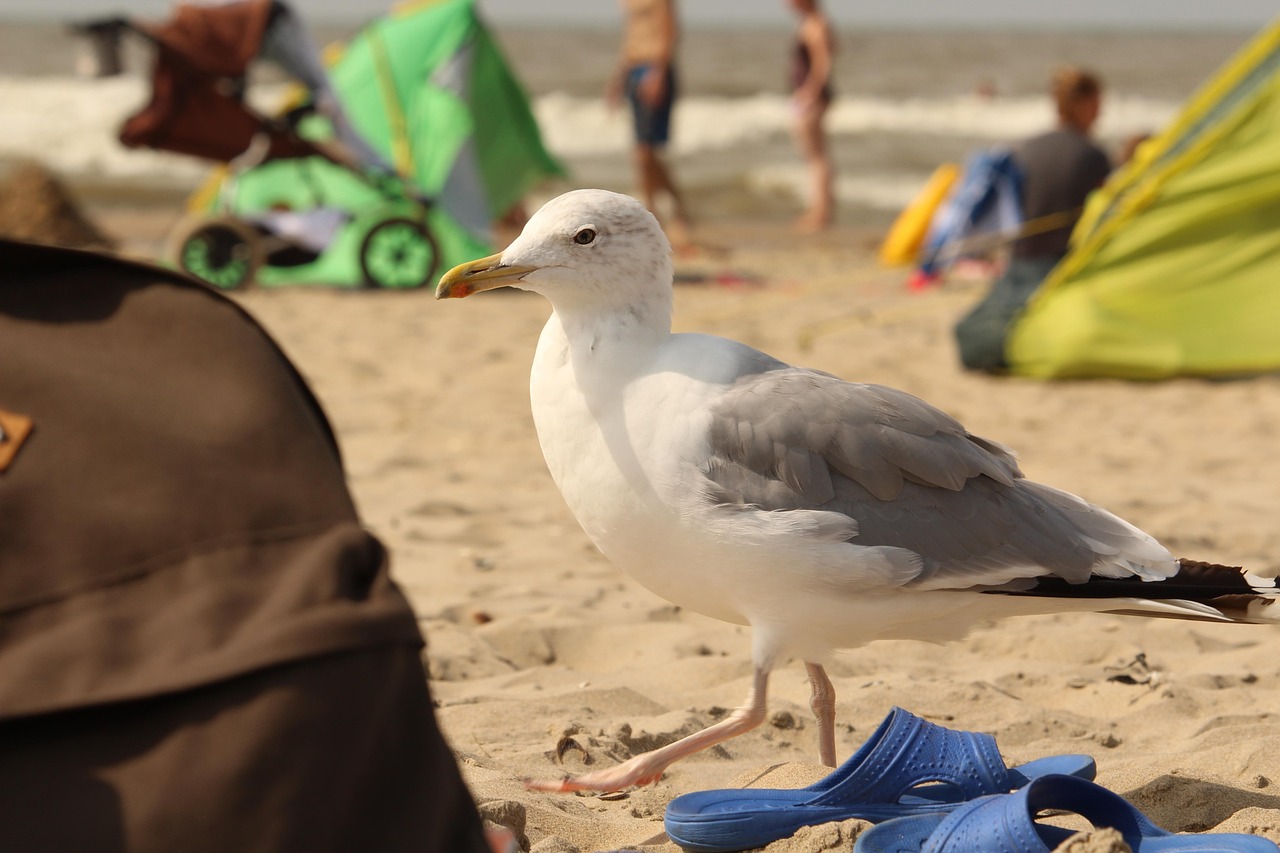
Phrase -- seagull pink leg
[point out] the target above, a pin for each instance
(647, 768)
(822, 699)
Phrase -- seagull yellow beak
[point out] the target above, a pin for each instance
(475, 276)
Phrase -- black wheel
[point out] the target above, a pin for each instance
(398, 253)
(224, 252)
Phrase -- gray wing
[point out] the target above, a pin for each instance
(911, 477)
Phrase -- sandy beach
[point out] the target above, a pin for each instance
(543, 658)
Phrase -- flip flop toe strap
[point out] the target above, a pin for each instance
(992, 824)
(1007, 824)
(906, 752)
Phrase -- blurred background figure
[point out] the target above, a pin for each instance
(1057, 170)
(1060, 168)
(812, 61)
(646, 74)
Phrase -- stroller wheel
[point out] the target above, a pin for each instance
(223, 252)
(398, 253)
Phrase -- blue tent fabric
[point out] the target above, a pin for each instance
(988, 200)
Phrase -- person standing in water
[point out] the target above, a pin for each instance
(646, 74)
(812, 63)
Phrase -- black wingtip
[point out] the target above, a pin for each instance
(1208, 570)
(1227, 589)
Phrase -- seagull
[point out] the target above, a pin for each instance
(824, 514)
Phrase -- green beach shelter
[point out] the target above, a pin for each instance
(1175, 265)
(428, 88)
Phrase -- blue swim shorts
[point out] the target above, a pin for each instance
(652, 121)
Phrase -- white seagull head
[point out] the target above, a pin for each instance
(587, 250)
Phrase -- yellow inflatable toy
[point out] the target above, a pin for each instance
(906, 236)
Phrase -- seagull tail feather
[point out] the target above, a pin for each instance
(1198, 590)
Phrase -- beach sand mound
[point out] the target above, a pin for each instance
(35, 206)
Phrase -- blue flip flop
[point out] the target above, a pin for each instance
(1006, 824)
(908, 766)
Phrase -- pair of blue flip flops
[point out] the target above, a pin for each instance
(911, 777)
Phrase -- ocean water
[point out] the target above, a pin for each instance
(905, 102)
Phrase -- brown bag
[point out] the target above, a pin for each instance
(200, 646)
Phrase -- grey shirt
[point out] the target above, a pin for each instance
(1059, 169)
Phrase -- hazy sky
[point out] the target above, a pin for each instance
(1139, 14)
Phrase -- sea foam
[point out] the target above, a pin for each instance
(71, 125)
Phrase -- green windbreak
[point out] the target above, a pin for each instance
(428, 88)
(1175, 264)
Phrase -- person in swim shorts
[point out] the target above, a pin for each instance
(646, 76)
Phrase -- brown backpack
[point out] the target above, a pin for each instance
(200, 645)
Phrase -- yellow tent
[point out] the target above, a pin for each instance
(1175, 264)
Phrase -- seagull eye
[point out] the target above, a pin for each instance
(584, 236)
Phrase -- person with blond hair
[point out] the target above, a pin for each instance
(1057, 171)
(812, 62)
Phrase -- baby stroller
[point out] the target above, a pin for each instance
(198, 107)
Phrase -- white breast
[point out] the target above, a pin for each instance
(618, 443)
